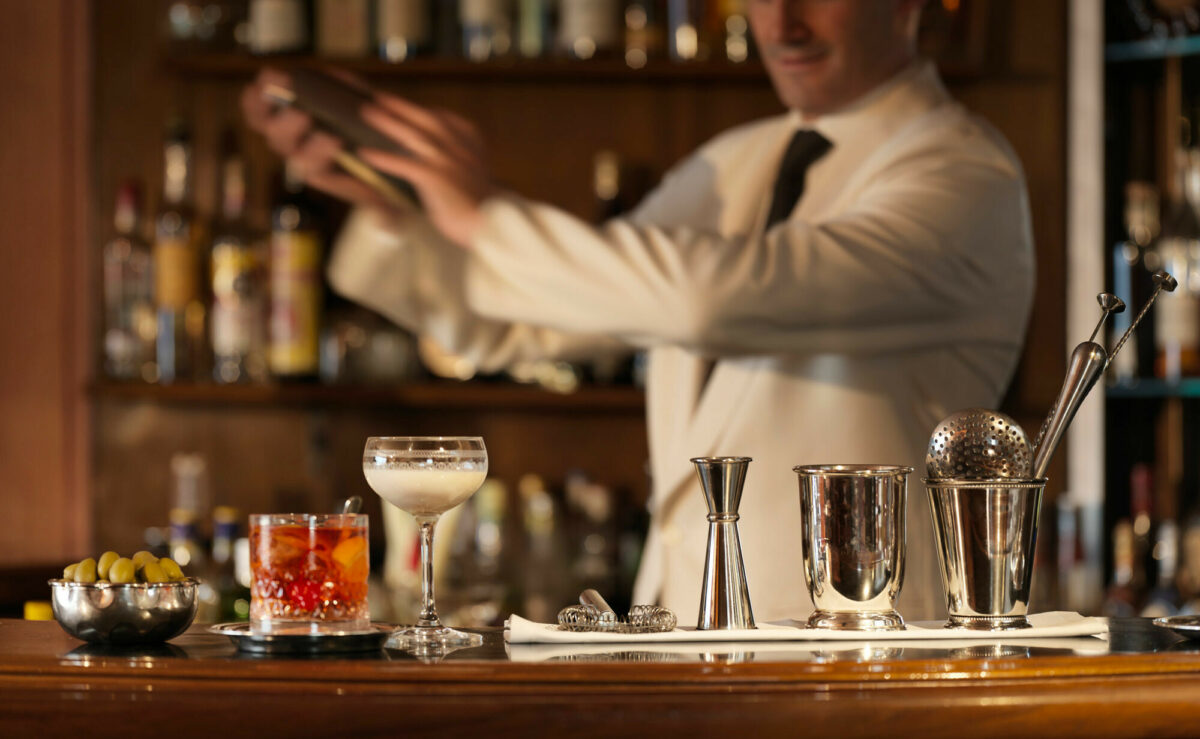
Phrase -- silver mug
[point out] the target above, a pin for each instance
(986, 531)
(853, 541)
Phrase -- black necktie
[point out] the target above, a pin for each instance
(805, 148)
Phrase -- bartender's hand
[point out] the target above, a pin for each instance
(290, 134)
(445, 163)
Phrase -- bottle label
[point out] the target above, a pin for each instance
(295, 302)
(175, 273)
(237, 314)
(342, 27)
(595, 20)
(400, 19)
(1178, 317)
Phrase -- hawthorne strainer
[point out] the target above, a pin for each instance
(978, 444)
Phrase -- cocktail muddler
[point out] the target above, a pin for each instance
(724, 597)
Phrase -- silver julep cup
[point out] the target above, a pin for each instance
(985, 532)
(853, 541)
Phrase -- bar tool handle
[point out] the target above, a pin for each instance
(592, 599)
(1086, 365)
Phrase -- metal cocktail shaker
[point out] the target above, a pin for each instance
(724, 597)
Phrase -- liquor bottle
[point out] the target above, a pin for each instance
(1142, 228)
(1177, 315)
(1163, 599)
(233, 597)
(733, 32)
(606, 185)
(535, 26)
(545, 584)
(279, 27)
(591, 507)
(486, 28)
(643, 33)
(1141, 503)
(1189, 566)
(684, 23)
(1120, 601)
(343, 28)
(128, 294)
(588, 28)
(238, 289)
(181, 314)
(402, 29)
(293, 334)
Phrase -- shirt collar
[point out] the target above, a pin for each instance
(912, 91)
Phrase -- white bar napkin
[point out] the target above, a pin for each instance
(1051, 624)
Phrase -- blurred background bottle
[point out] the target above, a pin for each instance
(1177, 314)
(403, 29)
(233, 594)
(1142, 228)
(1120, 600)
(238, 289)
(181, 312)
(279, 27)
(343, 28)
(644, 32)
(589, 28)
(129, 323)
(295, 284)
(487, 28)
(535, 27)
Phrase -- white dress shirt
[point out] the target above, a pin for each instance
(897, 292)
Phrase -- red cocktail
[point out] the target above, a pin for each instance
(309, 573)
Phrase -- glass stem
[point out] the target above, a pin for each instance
(429, 617)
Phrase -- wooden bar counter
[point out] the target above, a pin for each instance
(1143, 681)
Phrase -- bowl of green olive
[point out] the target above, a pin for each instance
(117, 600)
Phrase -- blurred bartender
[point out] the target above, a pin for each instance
(821, 286)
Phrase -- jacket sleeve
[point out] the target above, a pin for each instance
(407, 272)
(936, 248)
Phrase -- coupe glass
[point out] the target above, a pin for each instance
(426, 476)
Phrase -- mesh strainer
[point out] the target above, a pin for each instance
(978, 444)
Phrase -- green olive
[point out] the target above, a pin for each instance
(153, 572)
(171, 569)
(69, 571)
(104, 563)
(142, 557)
(85, 571)
(122, 571)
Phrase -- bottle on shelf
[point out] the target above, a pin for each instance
(402, 29)
(295, 286)
(734, 30)
(185, 543)
(1163, 599)
(1189, 566)
(606, 185)
(684, 23)
(535, 27)
(546, 584)
(279, 27)
(238, 288)
(589, 28)
(1120, 600)
(643, 32)
(129, 322)
(486, 28)
(343, 28)
(1177, 314)
(180, 334)
(1142, 228)
(233, 596)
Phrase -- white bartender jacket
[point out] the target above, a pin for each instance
(896, 293)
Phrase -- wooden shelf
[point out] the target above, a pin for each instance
(498, 70)
(420, 395)
(1128, 51)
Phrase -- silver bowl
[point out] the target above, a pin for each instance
(132, 613)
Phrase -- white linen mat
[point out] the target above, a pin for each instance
(519, 630)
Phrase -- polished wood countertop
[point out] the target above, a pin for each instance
(1139, 681)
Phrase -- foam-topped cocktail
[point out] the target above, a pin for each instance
(426, 476)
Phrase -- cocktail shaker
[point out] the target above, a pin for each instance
(724, 597)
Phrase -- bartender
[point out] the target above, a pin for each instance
(822, 286)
